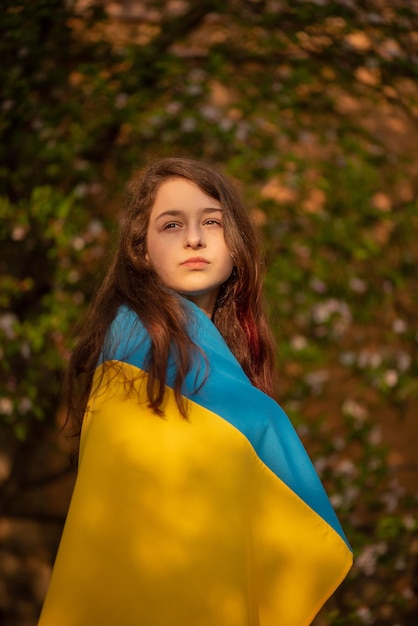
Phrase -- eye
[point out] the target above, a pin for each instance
(212, 221)
(171, 225)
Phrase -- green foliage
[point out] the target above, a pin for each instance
(313, 106)
(44, 240)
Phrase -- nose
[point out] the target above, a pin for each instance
(194, 237)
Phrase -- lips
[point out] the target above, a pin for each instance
(195, 263)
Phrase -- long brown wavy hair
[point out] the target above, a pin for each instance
(239, 313)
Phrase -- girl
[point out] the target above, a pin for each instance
(195, 502)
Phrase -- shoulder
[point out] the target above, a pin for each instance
(127, 339)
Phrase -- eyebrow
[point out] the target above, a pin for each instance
(179, 212)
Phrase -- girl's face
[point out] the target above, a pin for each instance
(186, 244)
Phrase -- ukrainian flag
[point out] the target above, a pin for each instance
(215, 520)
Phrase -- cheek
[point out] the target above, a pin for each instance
(230, 256)
(151, 250)
(157, 257)
(230, 243)
(228, 265)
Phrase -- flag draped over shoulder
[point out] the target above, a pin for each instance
(215, 520)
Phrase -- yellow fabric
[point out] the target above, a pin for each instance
(177, 522)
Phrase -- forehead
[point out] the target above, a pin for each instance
(177, 192)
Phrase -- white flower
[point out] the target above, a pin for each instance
(25, 405)
(367, 559)
(351, 494)
(318, 285)
(368, 358)
(403, 361)
(410, 522)
(73, 276)
(316, 380)
(210, 113)
(354, 409)
(336, 500)
(298, 342)
(78, 243)
(391, 377)
(6, 406)
(346, 467)
(357, 285)
(121, 100)
(25, 350)
(188, 124)
(365, 615)
(399, 326)
(19, 232)
(321, 464)
(375, 436)
(7, 322)
(339, 442)
(81, 190)
(174, 107)
(347, 358)
(197, 75)
(333, 308)
(95, 228)
(391, 498)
